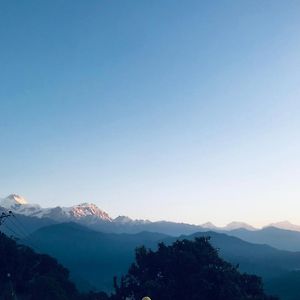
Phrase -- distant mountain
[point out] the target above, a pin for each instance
(237, 225)
(20, 226)
(228, 227)
(263, 260)
(97, 219)
(285, 225)
(209, 225)
(92, 255)
(123, 220)
(85, 212)
(275, 237)
(136, 226)
(127, 220)
(19, 205)
(97, 256)
(12, 200)
(92, 216)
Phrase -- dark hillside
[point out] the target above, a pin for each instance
(96, 257)
(30, 275)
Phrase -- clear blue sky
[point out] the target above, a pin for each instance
(180, 110)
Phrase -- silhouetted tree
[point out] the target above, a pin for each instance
(187, 270)
(32, 276)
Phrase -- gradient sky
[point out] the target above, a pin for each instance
(179, 110)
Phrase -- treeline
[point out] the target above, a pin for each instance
(30, 275)
(185, 270)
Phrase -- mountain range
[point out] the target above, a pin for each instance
(90, 214)
(100, 247)
(81, 211)
(98, 257)
(33, 217)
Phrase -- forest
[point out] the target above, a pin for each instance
(186, 269)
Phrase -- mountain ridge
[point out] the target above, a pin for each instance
(95, 218)
(112, 253)
(91, 213)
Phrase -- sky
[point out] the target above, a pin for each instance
(178, 110)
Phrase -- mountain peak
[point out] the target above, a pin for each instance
(88, 209)
(238, 225)
(12, 200)
(285, 225)
(209, 225)
(123, 219)
(19, 199)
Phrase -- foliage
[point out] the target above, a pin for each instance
(184, 270)
(190, 270)
(32, 276)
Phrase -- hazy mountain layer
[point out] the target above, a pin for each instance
(278, 238)
(97, 257)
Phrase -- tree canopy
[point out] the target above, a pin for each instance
(31, 275)
(187, 270)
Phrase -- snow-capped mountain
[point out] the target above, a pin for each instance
(91, 215)
(19, 205)
(85, 211)
(12, 200)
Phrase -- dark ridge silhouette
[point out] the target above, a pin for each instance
(30, 275)
(96, 257)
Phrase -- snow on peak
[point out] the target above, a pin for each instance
(12, 201)
(87, 209)
(19, 205)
